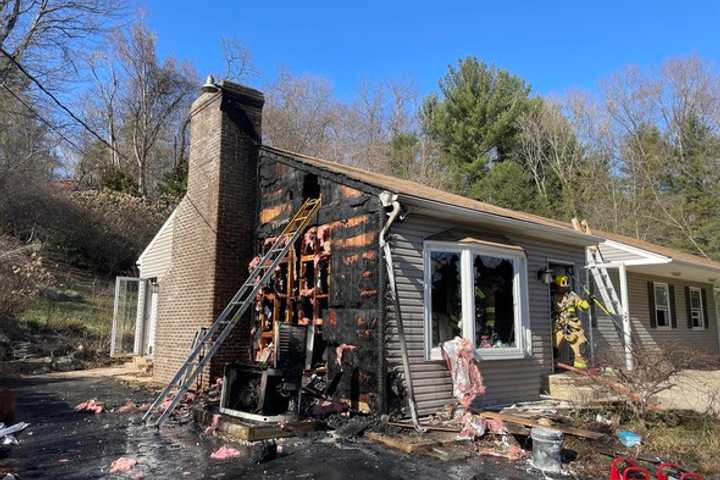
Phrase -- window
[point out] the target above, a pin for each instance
(446, 296)
(476, 292)
(494, 302)
(696, 308)
(662, 305)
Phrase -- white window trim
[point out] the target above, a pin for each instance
(520, 294)
(668, 316)
(702, 312)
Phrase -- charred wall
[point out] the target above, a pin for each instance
(351, 311)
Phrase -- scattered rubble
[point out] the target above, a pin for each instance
(629, 439)
(7, 434)
(264, 451)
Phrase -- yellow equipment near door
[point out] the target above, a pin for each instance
(568, 325)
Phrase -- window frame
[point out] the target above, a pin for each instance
(467, 279)
(700, 309)
(667, 309)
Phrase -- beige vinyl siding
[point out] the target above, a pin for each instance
(155, 260)
(701, 339)
(607, 337)
(505, 380)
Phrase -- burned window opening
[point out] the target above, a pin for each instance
(299, 289)
(311, 186)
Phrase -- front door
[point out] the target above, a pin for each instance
(557, 290)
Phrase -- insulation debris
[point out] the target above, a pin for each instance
(130, 407)
(223, 453)
(340, 350)
(459, 355)
(90, 406)
(210, 430)
(123, 465)
(475, 426)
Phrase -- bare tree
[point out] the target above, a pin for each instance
(106, 91)
(239, 66)
(671, 101)
(156, 93)
(45, 35)
(301, 115)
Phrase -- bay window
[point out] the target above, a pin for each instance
(478, 292)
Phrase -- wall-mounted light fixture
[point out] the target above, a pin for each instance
(545, 275)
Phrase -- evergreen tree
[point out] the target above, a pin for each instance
(475, 118)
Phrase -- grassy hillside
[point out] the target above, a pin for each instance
(79, 302)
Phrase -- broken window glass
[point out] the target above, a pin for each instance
(494, 302)
(446, 297)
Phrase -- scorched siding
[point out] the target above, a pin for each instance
(506, 380)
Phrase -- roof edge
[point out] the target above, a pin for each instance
(579, 237)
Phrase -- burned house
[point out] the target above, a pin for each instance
(459, 267)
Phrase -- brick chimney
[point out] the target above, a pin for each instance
(213, 236)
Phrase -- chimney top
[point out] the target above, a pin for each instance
(210, 85)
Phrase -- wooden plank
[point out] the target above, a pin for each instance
(528, 422)
(513, 428)
(253, 432)
(404, 444)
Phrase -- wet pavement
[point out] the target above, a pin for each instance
(63, 444)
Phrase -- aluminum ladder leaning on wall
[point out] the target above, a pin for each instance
(613, 304)
(211, 340)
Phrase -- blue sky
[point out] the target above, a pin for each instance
(555, 47)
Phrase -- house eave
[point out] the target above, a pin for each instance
(430, 207)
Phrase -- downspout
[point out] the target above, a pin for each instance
(382, 316)
(388, 200)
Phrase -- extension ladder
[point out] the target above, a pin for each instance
(607, 290)
(212, 338)
(197, 340)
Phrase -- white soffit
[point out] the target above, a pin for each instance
(642, 257)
